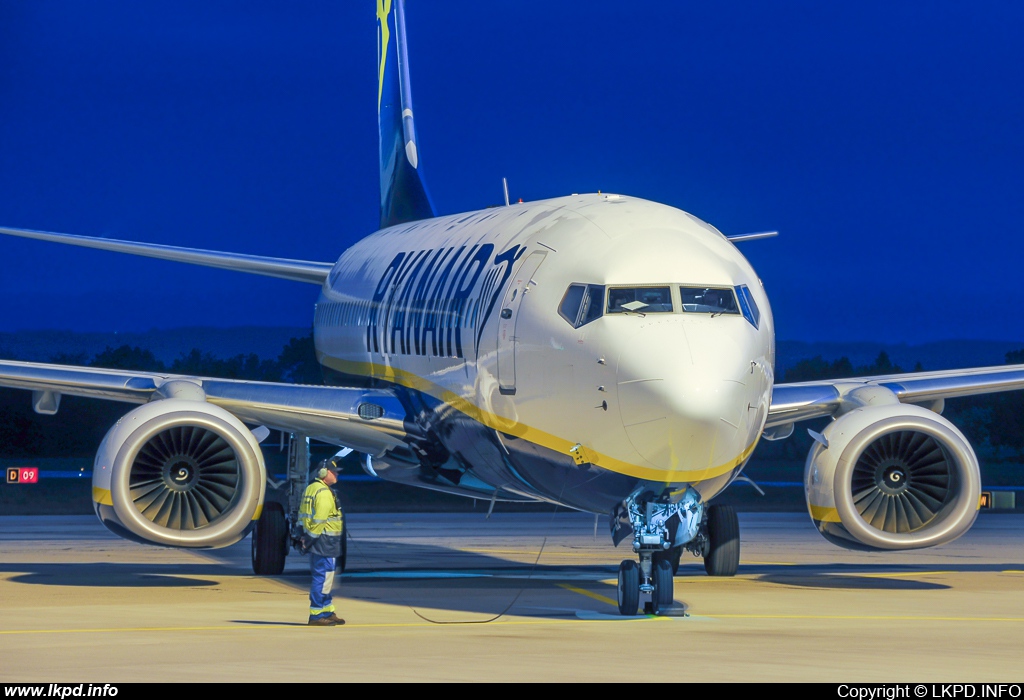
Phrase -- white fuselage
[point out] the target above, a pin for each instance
(464, 310)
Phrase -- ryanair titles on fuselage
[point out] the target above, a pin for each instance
(425, 299)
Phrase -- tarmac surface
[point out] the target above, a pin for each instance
(517, 597)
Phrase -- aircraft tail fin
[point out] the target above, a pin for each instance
(403, 197)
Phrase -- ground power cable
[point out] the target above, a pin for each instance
(518, 594)
(522, 589)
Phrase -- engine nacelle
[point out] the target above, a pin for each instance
(179, 473)
(892, 477)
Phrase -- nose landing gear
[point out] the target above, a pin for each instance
(658, 584)
(629, 587)
(661, 531)
(658, 525)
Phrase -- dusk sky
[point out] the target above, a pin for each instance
(884, 140)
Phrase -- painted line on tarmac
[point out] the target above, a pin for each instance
(509, 575)
(416, 574)
(526, 553)
(893, 574)
(295, 625)
(594, 615)
(617, 617)
(893, 618)
(756, 577)
(596, 596)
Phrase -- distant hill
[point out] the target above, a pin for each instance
(943, 354)
(166, 344)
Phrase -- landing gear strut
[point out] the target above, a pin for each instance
(275, 533)
(658, 526)
(278, 529)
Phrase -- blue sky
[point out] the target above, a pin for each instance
(882, 139)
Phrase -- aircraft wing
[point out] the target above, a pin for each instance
(804, 400)
(331, 414)
(282, 268)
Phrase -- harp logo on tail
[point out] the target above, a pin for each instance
(383, 38)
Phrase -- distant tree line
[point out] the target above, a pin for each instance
(79, 426)
(994, 423)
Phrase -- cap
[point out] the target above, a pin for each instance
(326, 466)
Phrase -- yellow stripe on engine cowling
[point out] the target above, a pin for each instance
(102, 496)
(824, 514)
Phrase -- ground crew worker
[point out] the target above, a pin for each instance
(322, 532)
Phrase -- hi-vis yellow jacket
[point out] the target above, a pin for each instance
(322, 520)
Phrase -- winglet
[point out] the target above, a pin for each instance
(403, 196)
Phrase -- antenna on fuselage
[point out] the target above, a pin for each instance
(737, 237)
(504, 184)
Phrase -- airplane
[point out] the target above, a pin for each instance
(598, 351)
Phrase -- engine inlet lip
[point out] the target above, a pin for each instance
(948, 524)
(126, 510)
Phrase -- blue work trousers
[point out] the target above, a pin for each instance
(320, 600)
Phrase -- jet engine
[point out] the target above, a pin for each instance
(179, 473)
(891, 477)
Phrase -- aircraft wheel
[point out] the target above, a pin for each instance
(629, 587)
(723, 555)
(672, 556)
(664, 586)
(270, 541)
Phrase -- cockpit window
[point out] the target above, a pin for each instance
(644, 300)
(570, 306)
(750, 310)
(592, 305)
(582, 304)
(708, 300)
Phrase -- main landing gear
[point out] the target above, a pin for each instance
(721, 547)
(661, 531)
(278, 529)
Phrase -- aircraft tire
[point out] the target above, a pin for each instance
(664, 586)
(672, 556)
(629, 587)
(270, 541)
(723, 555)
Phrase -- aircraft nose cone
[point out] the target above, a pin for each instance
(683, 404)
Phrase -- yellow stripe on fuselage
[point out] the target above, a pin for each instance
(528, 433)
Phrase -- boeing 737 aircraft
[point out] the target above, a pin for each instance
(598, 351)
